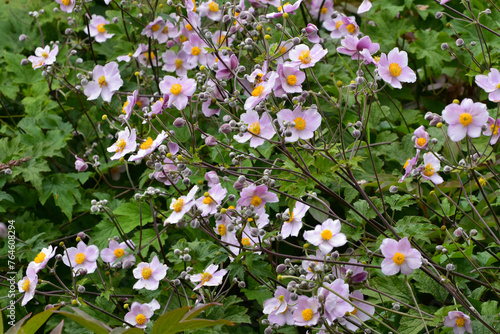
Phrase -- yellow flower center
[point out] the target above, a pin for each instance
(465, 119)
(165, 30)
(246, 242)
(102, 81)
(182, 38)
(494, 129)
(45, 55)
(351, 28)
(283, 50)
(26, 285)
(498, 86)
(207, 200)
(291, 80)
(280, 8)
(120, 145)
(79, 258)
(324, 10)
(395, 69)
(353, 312)
(398, 258)
(291, 218)
(140, 319)
(421, 141)
(221, 39)
(326, 234)
(376, 58)
(213, 7)
(256, 201)
(119, 252)
(146, 272)
(178, 62)
(195, 51)
(66, 2)
(257, 91)
(406, 163)
(39, 257)
(178, 204)
(221, 229)
(189, 27)
(482, 181)
(149, 55)
(155, 27)
(254, 128)
(147, 144)
(124, 106)
(300, 123)
(429, 170)
(307, 314)
(176, 89)
(304, 57)
(205, 277)
(339, 24)
(139, 103)
(460, 322)
(100, 28)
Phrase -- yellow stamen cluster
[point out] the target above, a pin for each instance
(398, 258)
(300, 123)
(146, 272)
(39, 257)
(119, 252)
(79, 258)
(176, 89)
(307, 314)
(254, 128)
(100, 28)
(395, 69)
(256, 201)
(178, 204)
(326, 235)
(291, 80)
(304, 57)
(205, 277)
(465, 119)
(147, 144)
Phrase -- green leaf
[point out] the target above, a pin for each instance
(397, 202)
(394, 286)
(425, 284)
(37, 321)
(181, 319)
(64, 189)
(17, 326)
(87, 322)
(129, 215)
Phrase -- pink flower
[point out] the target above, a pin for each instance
(312, 33)
(290, 80)
(256, 127)
(306, 122)
(365, 6)
(421, 138)
(148, 146)
(335, 307)
(466, 118)
(409, 166)
(208, 204)
(81, 257)
(181, 206)
(306, 311)
(195, 49)
(492, 130)
(118, 254)
(105, 81)
(66, 5)
(170, 30)
(294, 224)
(211, 10)
(154, 28)
(179, 90)
(212, 178)
(177, 63)
(42, 258)
(129, 105)
(44, 56)
(393, 68)
(28, 284)
(215, 95)
(261, 91)
(226, 67)
(280, 308)
(399, 256)
(431, 166)
(210, 277)
(256, 196)
(149, 274)
(140, 314)
(356, 316)
(459, 321)
(342, 26)
(326, 236)
(145, 56)
(352, 46)
(221, 229)
(302, 56)
(80, 165)
(97, 27)
(358, 274)
(125, 144)
(306, 264)
(286, 8)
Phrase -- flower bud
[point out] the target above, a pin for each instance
(179, 122)
(210, 141)
(459, 42)
(444, 46)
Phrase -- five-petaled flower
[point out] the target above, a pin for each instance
(105, 81)
(466, 118)
(326, 236)
(459, 321)
(210, 277)
(181, 206)
(150, 274)
(82, 257)
(140, 314)
(399, 256)
(393, 68)
(179, 90)
(124, 144)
